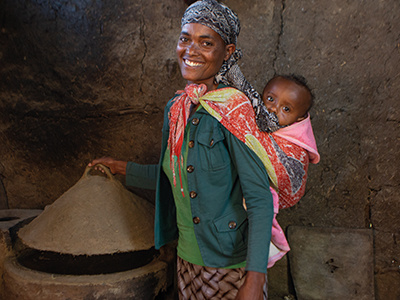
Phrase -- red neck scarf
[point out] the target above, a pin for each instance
(178, 117)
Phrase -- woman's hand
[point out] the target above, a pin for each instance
(116, 166)
(252, 287)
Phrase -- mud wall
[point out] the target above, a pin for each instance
(83, 79)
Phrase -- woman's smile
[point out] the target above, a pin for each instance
(192, 64)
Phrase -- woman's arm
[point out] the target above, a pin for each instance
(141, 176)
(255, 186)
(252, 287)
(254, 183)
(116, 166)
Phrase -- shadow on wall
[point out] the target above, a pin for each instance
(3, 196)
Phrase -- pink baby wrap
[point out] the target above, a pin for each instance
(301, 134)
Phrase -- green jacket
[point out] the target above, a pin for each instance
(225, 171)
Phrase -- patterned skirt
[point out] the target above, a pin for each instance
(205, 283)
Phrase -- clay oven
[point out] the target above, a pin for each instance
(94, 242)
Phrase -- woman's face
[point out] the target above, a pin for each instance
(201, 52)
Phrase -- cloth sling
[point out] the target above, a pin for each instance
(286, 162)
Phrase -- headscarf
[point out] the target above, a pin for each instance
(216, 16)
(225, 22)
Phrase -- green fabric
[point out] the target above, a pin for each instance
(187, 249)
(226, 170)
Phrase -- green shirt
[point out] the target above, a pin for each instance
(187, 249)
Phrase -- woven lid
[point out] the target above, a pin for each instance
(96, 216)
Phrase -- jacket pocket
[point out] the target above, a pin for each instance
(213, 153)
(232, 232)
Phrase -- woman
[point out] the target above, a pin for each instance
(205, 171)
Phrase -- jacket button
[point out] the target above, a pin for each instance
(190, 169)
(196, 220)
(195, 121)
(191, 144)
(232, 225)
(193, 194)
(212, 142)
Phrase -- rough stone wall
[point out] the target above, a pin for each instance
(83, 79)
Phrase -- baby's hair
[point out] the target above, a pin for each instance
(301, 81)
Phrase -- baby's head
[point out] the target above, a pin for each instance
(288, 97)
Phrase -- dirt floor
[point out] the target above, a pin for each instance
(84, 79)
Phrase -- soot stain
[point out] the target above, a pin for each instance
(54, 135)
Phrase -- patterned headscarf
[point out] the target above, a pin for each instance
(216, 16)
(225, 22)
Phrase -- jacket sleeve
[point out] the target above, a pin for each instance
(141, 176)
(260, 211)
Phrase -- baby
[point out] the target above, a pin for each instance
(288, 97)
(231, 75)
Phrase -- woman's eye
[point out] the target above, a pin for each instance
(183, 39)
(270, 99)
(207, 44)
(286, 109)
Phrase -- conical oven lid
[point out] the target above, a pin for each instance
(96, 216)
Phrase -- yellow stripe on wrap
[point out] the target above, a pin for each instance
(220, 95)
(210, 110)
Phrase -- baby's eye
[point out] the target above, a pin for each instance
(270, 99)
(286, 109)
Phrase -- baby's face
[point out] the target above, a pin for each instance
(288, 100)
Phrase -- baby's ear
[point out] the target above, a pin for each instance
(302, 118)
